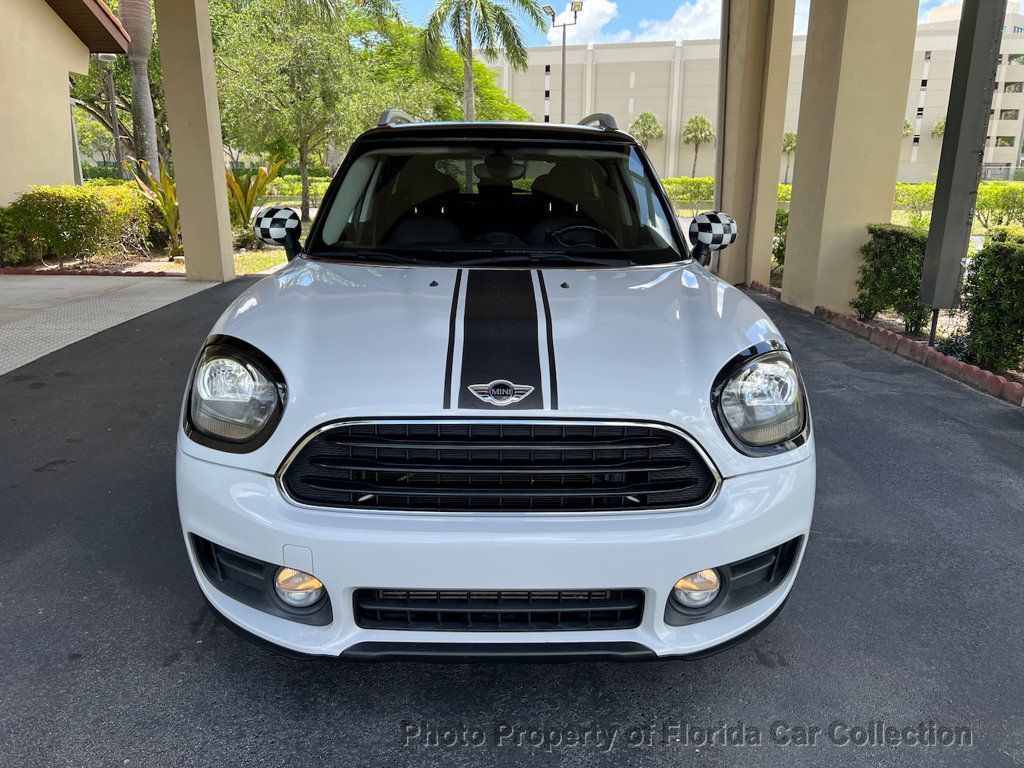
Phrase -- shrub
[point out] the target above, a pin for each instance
(99, 172)
(890, 276)
(60, 222)
(779, 237)
(994, 300)
(248, 189)
(1004, 234)
(163, 193)
(128, 216)
(689, 192)
(785, 193)
(916, 200)
(12, 247)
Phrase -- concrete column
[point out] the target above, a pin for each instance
(852, 106)
(674, 123)
(193, 115)
(756, 54)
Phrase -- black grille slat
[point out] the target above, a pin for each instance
(498, 467)
(498, 611)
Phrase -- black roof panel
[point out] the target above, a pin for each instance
(497, 130)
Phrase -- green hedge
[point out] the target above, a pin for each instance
(690, 192)
(68, 222)
(779, 237)
(890, 275)
(994, 300)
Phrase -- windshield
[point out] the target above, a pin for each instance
(498, 202)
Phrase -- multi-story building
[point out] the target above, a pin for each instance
(677, 80)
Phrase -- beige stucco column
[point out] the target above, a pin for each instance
(193, 115)
(757, 47)
(852, 106)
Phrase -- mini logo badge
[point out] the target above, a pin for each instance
(500, 392)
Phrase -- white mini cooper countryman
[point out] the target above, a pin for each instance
(495, 406)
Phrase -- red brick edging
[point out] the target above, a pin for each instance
(919, 352)
(762, 288)
(98, 272)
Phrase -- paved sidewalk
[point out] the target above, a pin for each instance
(40, 314)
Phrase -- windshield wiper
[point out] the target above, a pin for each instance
(537, 257)
(387, 257)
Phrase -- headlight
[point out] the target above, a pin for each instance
(762, 402)
(234, 398)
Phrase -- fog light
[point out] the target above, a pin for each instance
(296, 588)
(698, 589)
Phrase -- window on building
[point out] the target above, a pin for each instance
(547, 95)
(547, 69)
(1005, 141)
(917, 140)
(1016, 58)
(920, 111)
(927, 55)
(1017, 87)
(924, 84)
(1018, 30)
(1009, 114)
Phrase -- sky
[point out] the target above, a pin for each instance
(618, 21)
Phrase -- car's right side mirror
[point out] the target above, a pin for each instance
(279, 225)
(711, 231)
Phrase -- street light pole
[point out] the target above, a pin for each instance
(576, 6)
(108, 59)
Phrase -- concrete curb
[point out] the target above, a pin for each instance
(93, 272)
(919, 352)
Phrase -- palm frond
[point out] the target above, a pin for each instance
(509, 37)
(434, 44)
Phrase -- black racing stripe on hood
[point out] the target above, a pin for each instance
(552, 378)
(452, 322)
(500, 337)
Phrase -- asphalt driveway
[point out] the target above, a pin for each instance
(909, 608)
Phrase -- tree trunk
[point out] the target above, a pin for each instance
(693, 173)
(468, 102)
(787, 170)
(304, 177)
(137, 18)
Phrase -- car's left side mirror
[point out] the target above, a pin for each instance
(710, 232)
(279, 225)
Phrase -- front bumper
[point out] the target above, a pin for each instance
(245, 511)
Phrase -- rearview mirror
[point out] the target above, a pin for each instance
(279, 225)
(711, 231)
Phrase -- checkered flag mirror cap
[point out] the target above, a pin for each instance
(272, 225)
(714, 229)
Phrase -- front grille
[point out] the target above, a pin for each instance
(493, 611)
(486, 466)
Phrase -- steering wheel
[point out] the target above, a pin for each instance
(603, 236)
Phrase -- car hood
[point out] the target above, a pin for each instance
(358, 341)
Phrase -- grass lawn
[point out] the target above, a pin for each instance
(246, 262)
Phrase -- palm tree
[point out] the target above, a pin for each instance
(496, 30)
(137, 18)
(697, 131)
(646, 128)
(788, 148)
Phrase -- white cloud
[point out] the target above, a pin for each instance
(692, 20)
(695, 20)
(590, 24)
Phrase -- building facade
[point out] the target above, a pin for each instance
(677, 80)
(45, 41)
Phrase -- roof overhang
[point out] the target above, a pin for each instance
(93, 23)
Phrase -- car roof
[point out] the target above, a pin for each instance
(498, 130)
